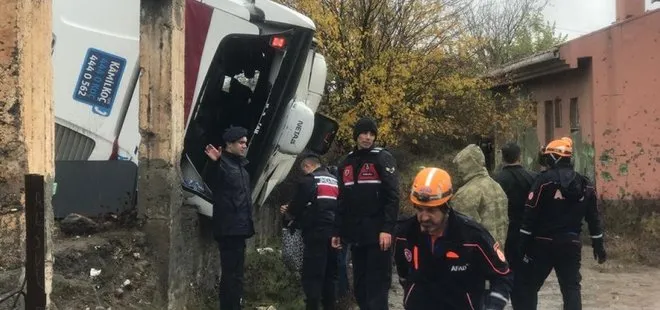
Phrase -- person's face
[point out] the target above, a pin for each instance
(307, 167)
(431, 220)
(239, 147)
(366, 140)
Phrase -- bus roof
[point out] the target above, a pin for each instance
(274, 12)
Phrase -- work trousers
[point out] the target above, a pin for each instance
(511, 249)
(342, 270)
(564, 255)
(372, 276)
(319, 273)
(232, 262)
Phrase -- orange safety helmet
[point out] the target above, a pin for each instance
(431, 188)
(562, 147)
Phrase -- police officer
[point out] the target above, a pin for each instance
(313, 208)
(444, 257)
(369, 205)
(550, 233)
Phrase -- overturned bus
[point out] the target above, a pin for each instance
(247, 63)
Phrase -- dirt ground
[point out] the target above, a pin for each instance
(608, 286)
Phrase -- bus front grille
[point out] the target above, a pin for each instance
(71, 145)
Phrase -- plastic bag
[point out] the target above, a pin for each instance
(292, 249)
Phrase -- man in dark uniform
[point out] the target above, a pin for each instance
(559, 200)
(232, 211)
(443, 257)
(313, 208)
(368, 208)
(516, 182)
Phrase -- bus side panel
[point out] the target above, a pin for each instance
(198, 21)
(94, 59)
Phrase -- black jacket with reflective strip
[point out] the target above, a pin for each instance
(450, 272)
(315, 204)
(557, 204)
(369, 195)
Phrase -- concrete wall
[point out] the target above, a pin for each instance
(625, 91)
(615, 79)
(26, 121)
(575, 83)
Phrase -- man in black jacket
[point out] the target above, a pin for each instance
(232, 212)
(559, 200)
(516, 182)
(313, 208)
(443, 257)
(368, 208)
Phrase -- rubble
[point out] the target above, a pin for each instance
(76, 224)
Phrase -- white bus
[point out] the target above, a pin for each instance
(247, 63)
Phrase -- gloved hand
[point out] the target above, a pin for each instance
(494, 303)
(524, 243)
(599, 250)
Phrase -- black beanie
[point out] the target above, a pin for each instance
(233, 134)
(365, 124)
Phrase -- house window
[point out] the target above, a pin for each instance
(549, 119)
(575, 115)
(558, 113)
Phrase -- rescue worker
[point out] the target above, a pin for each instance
(516, 181)
(443, 257)
(559, 200)
(313, 208)
(480, 197)
(232, 211)
(368, 208)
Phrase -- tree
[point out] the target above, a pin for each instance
(402, 62)
(505, 31)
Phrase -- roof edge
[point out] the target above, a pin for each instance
(552, 54)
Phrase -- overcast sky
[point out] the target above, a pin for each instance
(578, 17)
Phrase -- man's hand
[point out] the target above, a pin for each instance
(385, 241)
(336, 243)
(284, 208)
(212, 152)
(599, 250)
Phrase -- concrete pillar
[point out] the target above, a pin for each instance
(161, 127)
(26, 123)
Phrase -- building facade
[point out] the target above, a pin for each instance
(602, 89)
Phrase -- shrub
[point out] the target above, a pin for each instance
(269, 282)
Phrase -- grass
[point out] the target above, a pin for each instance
(632, 230)
(269, 282)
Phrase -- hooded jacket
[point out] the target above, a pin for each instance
(480, 197)
(558, 202)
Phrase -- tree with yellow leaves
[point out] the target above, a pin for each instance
(401, 62)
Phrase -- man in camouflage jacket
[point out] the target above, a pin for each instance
(480, 197)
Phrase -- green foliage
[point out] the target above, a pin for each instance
(269, 282)
(406, 64)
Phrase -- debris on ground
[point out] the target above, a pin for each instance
(76, 224)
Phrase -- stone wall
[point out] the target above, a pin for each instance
(26, 121)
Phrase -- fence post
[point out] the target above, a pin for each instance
(35, 242)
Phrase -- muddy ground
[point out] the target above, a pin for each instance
(122, 255)
(611, 285)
